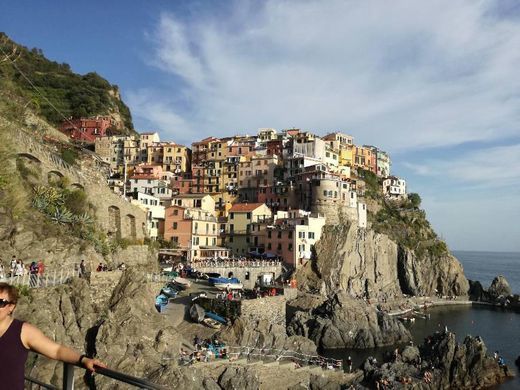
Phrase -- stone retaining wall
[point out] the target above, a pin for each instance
(247, 275)
(270, 309)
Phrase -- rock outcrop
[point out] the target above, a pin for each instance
(131, 335)
(65, 314)
(364, 263)
(451, 365)
(499, 288)
(343, 322)
(499, 294)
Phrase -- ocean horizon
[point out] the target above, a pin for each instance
(484, 266)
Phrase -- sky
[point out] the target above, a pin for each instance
(434, 83)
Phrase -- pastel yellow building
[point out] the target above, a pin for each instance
(239, 226)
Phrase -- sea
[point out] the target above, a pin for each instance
(500, 329)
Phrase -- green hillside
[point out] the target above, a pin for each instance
(70, 93)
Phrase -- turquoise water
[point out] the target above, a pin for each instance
(499, 329)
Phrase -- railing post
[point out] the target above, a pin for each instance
(68, 376)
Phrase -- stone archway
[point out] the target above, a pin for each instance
(29, 156)
(54, 176)
(28, 165)
(77, 186)
(130, 223)
(114, 222)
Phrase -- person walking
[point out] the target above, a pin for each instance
(17, 338)
(41, 268)
(13, 266)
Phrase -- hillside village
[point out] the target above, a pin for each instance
(267, 195)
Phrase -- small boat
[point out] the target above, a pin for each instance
(231, 286)
(181, 281)
(161, 300)
(223, 283)
(219, 279)
(211, 323)
(216, 317)
(170, 292)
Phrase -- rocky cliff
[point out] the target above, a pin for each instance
(343, 322)
(440, 363)
(367, 264)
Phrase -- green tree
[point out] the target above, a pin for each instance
(415, 200)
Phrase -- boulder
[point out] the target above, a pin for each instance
(411, 355)
(343, 322)
(476, 291)
(451, 365)
(499, 288)
(236, 378)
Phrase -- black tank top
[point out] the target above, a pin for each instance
(13, 355)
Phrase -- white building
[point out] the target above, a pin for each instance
(154, 213)
(394, 187)
(150, 185)
(362, 215)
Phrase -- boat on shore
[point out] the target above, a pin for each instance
(226, 283)
(211, 323)
(230, 286)
(216, 317)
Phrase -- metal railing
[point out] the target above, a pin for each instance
(68, 379)
(52, 278)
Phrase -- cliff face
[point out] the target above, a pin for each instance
(364, 263)
(342, 322)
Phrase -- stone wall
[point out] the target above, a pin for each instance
(136, 255)
(335, 213)
(242, 272)
(115, 215)
(270, 309)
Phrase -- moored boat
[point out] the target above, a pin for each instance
(230, 286)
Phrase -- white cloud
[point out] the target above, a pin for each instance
(160, 117)
(400, 74)
(487, 167)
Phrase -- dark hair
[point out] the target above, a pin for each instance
(12, 291)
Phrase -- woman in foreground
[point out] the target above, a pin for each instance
(17, 338)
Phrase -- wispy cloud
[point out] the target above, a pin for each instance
(400, 74)
(494, 166)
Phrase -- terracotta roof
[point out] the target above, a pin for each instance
(245, 207)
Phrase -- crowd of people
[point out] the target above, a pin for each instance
(17, 267)
(205, 350)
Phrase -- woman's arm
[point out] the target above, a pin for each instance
(34, 339)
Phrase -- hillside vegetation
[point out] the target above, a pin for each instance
(72, 94)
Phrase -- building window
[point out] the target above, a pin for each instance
(175, 212)
(311, 235)
(290, 234)
(290, 247)
(269, 246)
(279, 247)
(175, 225)
(248, 215)
(231, 215)
(269, 234)
(279, 234)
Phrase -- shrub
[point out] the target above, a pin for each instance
(69, 155)
(414, 200)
